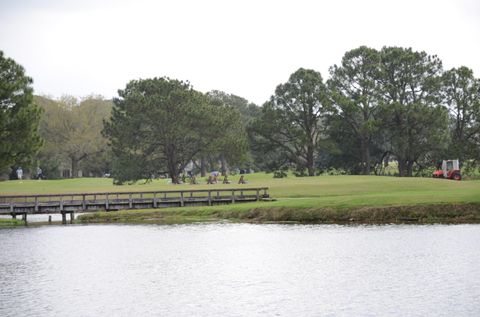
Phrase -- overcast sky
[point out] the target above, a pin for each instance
(242, 47)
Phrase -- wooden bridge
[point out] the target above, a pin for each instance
(64, 204)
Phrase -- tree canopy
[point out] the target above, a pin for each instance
(19, 117)
(233, 147)
(72, 129)
(393, 105)
(159, 125)
(415, 122)
(461, 93)
(354, 91)
(292, 122)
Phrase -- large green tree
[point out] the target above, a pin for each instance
(292, 122)
(355, 91)
(72, 133)
(415, 122)
(19, 140)
(462, 96)
(160, 125)
(233, 147)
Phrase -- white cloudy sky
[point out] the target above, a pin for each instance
(243, 47)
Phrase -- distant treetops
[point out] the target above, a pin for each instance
(377, 106)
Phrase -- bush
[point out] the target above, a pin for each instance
(334, 171)
(279, 174)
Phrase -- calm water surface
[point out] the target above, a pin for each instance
(240, 270)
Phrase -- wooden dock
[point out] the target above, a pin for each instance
(22, 205)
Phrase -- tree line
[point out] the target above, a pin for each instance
(377, 107)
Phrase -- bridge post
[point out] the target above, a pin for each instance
(258, 194)
(72, 216)
(130, 203)
(61, 203)
(106, 202)
(155, 200)
(64, 217)
(24, 217)
(14, 215)
(36, 203)
(209, 198)
(233, 196)
(84, 204)
(181, 200)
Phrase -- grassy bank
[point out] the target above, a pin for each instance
(291, 212)
(307, 199)
(5, 223)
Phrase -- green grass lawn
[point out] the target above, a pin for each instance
(292, 193)
(342, 190)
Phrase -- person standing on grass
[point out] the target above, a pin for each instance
(19, 173)
(39, 173)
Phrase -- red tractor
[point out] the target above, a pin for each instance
(450, 170)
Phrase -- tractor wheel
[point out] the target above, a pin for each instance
(457, 177)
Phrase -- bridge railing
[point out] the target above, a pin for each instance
(83, 200)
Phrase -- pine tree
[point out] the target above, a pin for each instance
(19, 117)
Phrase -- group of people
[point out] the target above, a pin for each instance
(213, 179)
(39, 173)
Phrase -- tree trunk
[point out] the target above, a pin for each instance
(203, 167)
(310, 161)
(172, 166)
(175, 179)
(173, 171)
(75, 161)
(401, 167)
(365, 149)
(367, 160)
(224, 166)
(363, 155)
(74, 167)
(410, 168)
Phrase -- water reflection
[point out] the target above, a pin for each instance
(240, 270)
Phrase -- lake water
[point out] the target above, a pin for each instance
(240, 270)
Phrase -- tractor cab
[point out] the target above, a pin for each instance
(450, 169)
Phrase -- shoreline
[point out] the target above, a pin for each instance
(411, 214)
(468, 213)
